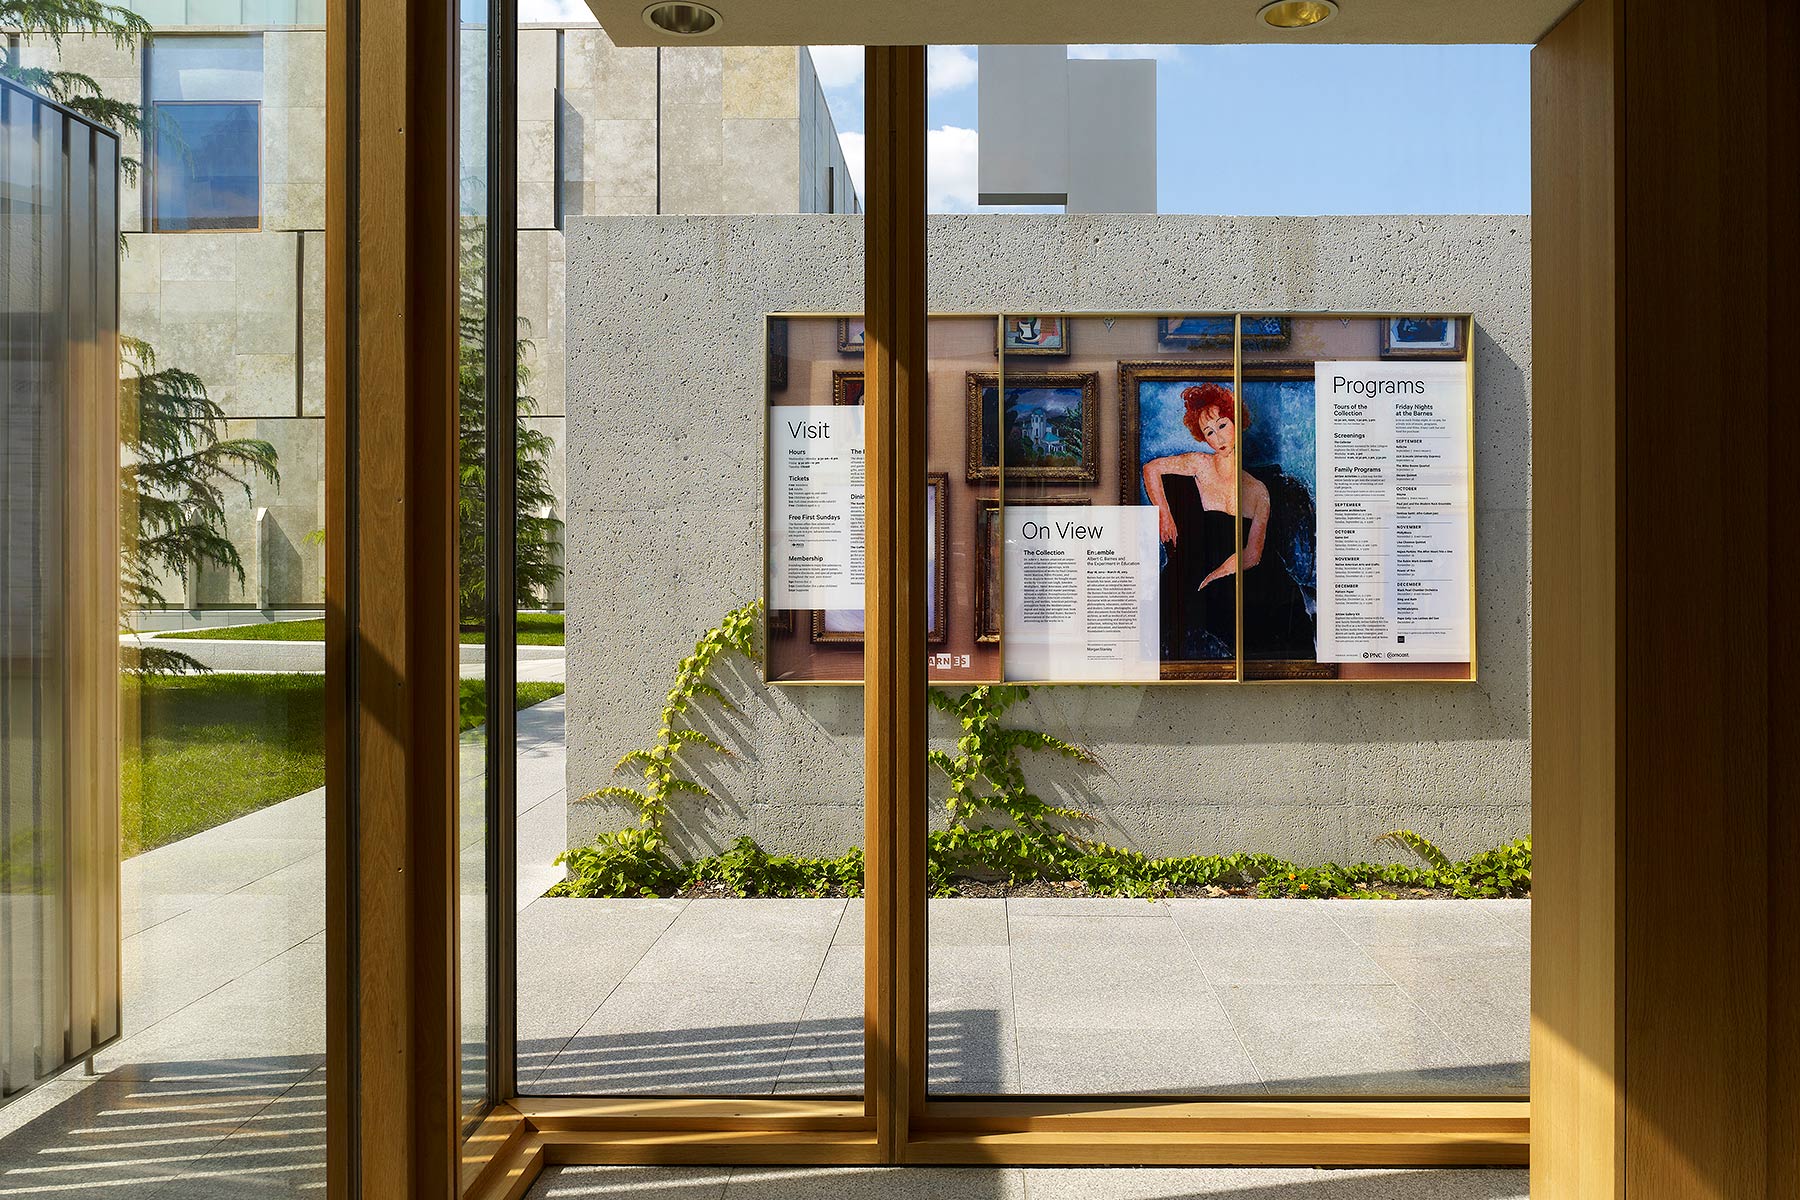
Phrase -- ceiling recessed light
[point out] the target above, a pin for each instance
(682, 19)
(1297, 14)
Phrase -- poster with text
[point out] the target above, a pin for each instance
(1395, 560)
(816, 507)
(1081, 594)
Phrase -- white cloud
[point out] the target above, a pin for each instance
(951, 155)
(948, 69)
(1160, 52)
(555, 12)
(839, 67)
(853, 157)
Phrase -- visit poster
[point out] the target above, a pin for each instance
(816, 483)
(1394, 553)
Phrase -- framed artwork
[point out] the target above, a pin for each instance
(1422, 337)
(781, 621)
(1048, 336)
(1176, 418)
(851, 331)
(844, 626)
(989, 530)
(1260, 333)
(1049, 425)
(778, 354)
(846, 387)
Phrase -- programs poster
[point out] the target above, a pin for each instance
(1395, 562)
(1081, 594)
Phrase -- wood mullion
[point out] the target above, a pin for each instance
(391, 634)
(895, 591)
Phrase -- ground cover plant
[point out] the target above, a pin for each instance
(999, 838)
(217, 746)
(535, 629)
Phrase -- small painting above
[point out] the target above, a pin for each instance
(1047, 336)
(1050, 426)
(847, 387)
(851, 332)
(1422, 337)
(1260, 333)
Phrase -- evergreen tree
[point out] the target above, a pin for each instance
(537, 533)
(178, 466)
(54, 20)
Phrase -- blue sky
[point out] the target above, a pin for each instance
(1260, 130)
(1287, 130)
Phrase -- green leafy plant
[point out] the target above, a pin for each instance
(749, 870)
(626, 862)
(987, 780)
(1419, 844)
(661, 763)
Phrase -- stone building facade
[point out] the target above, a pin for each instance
(602, 131)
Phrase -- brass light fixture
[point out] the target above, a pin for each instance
(1297, 14)
(682, 18)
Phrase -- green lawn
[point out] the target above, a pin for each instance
(535, 629)
(214, 747)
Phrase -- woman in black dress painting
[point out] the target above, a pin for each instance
(1197, 496)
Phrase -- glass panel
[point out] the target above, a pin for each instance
(208, 166)
(1195, 487)
(194, 67)
(475, 378)
(214, 858)
(702, 933)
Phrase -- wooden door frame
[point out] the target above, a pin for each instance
(1610, 971)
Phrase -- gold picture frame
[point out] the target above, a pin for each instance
(937, 500)
(1086, 471)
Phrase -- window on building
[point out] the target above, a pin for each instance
(204, 127)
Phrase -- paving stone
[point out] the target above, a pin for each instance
(1270, 1183)
(875, 1183)
(1271, 941)
(1115, 1060)
(1416, 923)
(637, 1183)
(1346, 1038)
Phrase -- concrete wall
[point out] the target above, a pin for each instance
(665, 411)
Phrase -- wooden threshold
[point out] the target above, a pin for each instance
(1504, 1117)
(1313, 1146)
(538, 1131)
(560, 1114)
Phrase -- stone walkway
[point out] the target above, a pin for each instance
(217, 1088)
(1038, 996)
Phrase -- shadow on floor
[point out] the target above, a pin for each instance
(825, 1057)
(249, 1128)
(1035, 1183)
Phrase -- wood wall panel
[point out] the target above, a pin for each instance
(1663, 574)
(1695, 237)
(1575, 1035)
(391, 635)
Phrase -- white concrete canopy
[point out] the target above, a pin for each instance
(999, 22)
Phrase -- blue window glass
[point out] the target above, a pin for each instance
(208, 165)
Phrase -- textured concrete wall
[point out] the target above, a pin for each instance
(665, 469)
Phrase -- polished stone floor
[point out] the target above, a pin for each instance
(1011, 1183)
